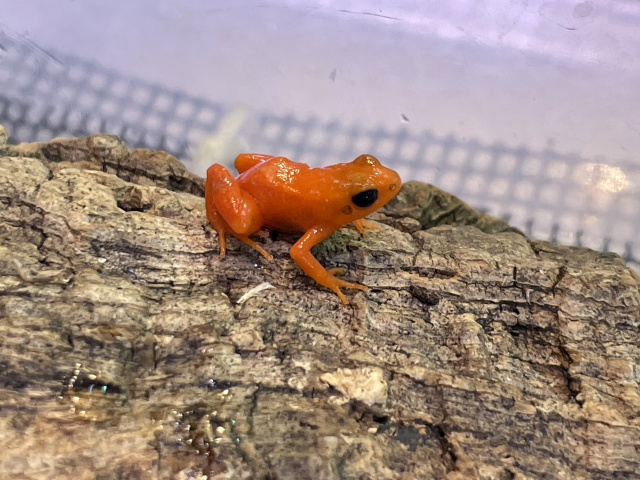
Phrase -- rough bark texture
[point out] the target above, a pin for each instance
(476, 353)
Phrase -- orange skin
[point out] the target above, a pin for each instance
(280, 195)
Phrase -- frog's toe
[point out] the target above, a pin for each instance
(342, 296)
(355, 286)
(337, 271)
(337, 284)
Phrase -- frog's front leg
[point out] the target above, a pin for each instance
(301, 253)
(232, 210)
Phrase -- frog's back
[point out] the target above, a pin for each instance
(293, 197)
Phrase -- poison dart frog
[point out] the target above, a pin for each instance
(277, 194)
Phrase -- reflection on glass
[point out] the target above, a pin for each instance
(603, 177)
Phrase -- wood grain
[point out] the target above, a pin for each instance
(476, 353)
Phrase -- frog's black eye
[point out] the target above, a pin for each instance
(365, 199)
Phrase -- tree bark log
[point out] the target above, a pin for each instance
(476, 353)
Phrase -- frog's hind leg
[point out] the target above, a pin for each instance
(245, 161)
(253, 244)
(218, 224)
(230, 209)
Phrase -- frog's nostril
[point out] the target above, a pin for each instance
(392, 187)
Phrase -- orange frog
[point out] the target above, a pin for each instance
(280, 195)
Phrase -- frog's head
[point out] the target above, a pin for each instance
(370, 187)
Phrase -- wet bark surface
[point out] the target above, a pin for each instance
(124, 353)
